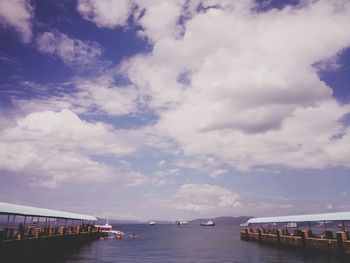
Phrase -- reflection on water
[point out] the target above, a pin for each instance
(187, 243)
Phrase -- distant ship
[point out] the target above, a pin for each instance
(208, 223)
(181, 223)
(151, 222)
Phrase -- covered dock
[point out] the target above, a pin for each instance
(328, 232)
(28, 229)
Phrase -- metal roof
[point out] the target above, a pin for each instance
(342, 216)
(6, 208)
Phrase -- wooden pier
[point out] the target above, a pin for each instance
(29, 230)
(329, 232)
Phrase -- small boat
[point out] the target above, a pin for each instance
(152, 223)
(118, 234)
(106, 228)
(208, 223)
(179, 223)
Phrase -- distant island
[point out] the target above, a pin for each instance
(222, 220)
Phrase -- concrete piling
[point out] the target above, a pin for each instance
(302, 240)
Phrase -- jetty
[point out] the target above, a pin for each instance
(318, 232)
(25, 229)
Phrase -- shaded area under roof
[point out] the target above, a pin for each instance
(6, 208)
(341, 216)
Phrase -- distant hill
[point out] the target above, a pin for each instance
(102, 221)
(223, 220)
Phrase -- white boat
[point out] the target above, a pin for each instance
(181, 223)
(151, 222)
(106, 228)
(208, 223)
(118, 234)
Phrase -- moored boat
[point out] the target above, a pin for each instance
(181, 223)
(106, 228)
(208, 223)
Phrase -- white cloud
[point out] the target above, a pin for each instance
(161, 163)
(17, 14)
(90, 97)
(136, 179)
(217, 173)
(105, 13)
(57, 147)
(158, 18)
(253, 96)
(106, 98)
(72, 52)
(202, 198)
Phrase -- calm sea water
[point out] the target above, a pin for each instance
(191, 243)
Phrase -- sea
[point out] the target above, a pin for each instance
(182, 244)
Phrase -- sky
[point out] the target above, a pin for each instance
(175, 110)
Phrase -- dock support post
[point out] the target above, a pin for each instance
(341, 237)
(278, 233)
(304, 236)
(260, 235)
(7, 226)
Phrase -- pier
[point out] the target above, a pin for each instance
(31, 230)
(317, 232)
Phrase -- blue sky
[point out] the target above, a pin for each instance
(175, 109)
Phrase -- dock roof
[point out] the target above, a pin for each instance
(341, 216)
(6, 208)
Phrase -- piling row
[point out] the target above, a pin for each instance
(302, 239)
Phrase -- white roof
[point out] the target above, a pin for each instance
(6, 208)
(342, 216)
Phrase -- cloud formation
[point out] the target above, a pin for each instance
(72, 52)
(99, 96)
(57, 147)
(105, 13)
(201, 198)
(225, 80)
(157, 19)
(17, 14)
(248, 98)
(253, 94)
